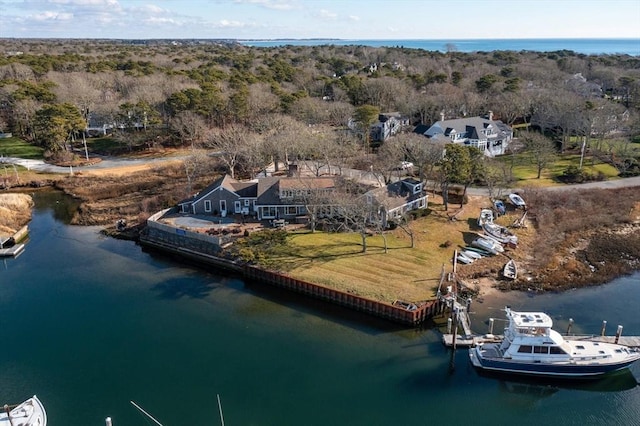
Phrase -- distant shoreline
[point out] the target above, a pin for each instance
(590, 46)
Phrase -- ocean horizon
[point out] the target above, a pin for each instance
(587, 46)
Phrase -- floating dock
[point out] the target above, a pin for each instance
(9, 245)
(12, 251)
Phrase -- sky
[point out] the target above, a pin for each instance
(343, 19)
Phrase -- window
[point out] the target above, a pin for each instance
(223, 205)
(207, 206)
(246, 203)
(525, 349)
(556, 350)
(291, 210)
(540, 350)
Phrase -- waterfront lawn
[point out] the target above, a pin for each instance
(412, 274)
(16, 147)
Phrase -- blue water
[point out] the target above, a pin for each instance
(91, 323)
(586, 46)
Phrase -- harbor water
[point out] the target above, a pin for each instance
(91, 323)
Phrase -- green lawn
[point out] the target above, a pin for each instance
(525, 171)
(411, 274)
(16, 147)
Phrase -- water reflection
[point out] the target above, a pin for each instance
(538, 386)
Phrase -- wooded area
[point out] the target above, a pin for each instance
(253, 106)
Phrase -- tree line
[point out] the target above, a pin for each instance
(252, 106)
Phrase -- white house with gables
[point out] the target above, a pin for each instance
(488, 135)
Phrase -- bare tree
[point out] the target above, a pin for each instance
(542, 150)
(190, 128)
(195, 165)
(229, 144)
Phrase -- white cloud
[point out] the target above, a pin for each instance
(52, 16)
(325, 14)
(270, 4)
(354, 18)
(231, 24)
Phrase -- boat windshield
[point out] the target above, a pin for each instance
(533, 331)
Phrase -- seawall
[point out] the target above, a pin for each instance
(205, 249)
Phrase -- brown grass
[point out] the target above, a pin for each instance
(15, 212)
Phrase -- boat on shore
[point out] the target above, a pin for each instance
(478, 250)
(472, 254)
(486, 216)
(517, 200)
(29, 413)
(531, 347)
(500, 233)
(462, 258)
(500, 207)
(510, 270)
(486, 244)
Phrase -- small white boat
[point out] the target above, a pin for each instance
(486, 216)
(500, 233)
(531, 347)
(461, 258)
(29, 413)
(478, 250)
(517, 200)
(510, 270)
(487, 244)
(472, 254)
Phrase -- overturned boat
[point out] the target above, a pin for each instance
(500, 233)
(489, 245)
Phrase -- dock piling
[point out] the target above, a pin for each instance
(569, 326)
(618, 333)
(490, 325)
(604, 325)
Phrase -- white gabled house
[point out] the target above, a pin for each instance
(490, 136)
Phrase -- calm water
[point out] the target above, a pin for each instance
(91, 323)
(586, 46)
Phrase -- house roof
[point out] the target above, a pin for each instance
(245, 189)
(269, 188)
(225, 182)
(396, 194)
(470, 127)
(421, 129)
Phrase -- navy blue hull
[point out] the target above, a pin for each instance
(553, 370)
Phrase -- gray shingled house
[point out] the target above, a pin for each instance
(287, 198)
